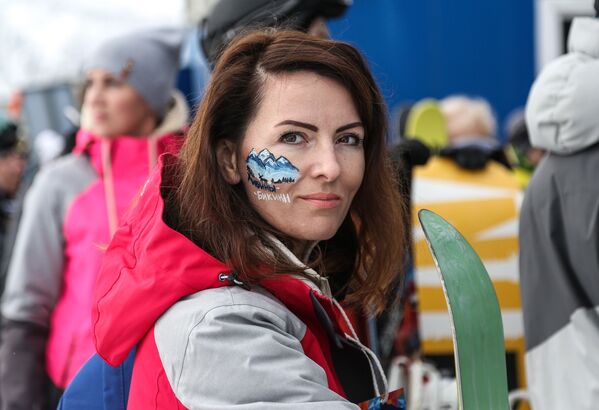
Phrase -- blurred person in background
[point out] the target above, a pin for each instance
(13, 152)
(130, 116)
(522, 155)
(471, 128)
(15, 106)
(559, 229)
(44, 148)
(230, 17)
(226, 18)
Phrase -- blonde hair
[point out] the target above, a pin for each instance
(468, 117)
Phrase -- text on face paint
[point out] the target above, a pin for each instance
(267, 196)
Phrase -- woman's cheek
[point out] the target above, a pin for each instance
(353, 169)
(270, 176)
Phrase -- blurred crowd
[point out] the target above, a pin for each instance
(63, 196)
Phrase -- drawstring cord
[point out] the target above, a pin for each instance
(353, 337)
(113, 219)
(233, 278)
(152, 151)
(373, 359)
(108, 177)
(323, 283)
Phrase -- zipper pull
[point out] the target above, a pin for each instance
(233, 278)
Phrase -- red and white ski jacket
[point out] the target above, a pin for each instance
(204, 342)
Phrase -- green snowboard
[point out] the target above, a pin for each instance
(475, 317)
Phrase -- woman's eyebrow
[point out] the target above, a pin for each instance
(349, 126)
(315, 128)
(299, 124)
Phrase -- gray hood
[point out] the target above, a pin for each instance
(562, 112)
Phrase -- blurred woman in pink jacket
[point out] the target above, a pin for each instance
(130, 116)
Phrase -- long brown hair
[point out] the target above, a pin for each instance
(367, 253)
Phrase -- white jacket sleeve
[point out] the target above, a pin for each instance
(241, 355)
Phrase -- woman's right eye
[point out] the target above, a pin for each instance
(113, 82)
(292, 138)
(107, 82)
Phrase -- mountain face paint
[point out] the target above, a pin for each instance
(267, 173)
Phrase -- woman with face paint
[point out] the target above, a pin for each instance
(228, 273)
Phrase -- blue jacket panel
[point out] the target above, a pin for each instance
(99, 386)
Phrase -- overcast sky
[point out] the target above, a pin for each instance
(43, 41)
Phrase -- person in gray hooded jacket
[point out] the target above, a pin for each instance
(559, 229)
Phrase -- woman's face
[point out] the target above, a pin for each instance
(114, 108)
(301, 160)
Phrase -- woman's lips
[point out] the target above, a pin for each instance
(99, 116)
(322, 200)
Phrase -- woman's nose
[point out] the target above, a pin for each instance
(325, 163)
(93, 94)
(21, 164)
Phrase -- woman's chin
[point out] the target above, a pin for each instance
(318, 235)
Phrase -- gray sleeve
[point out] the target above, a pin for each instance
(35, 271)
(247, 357)
(23, 380)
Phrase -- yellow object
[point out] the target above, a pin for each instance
(427, 124)
(522, 176)
(484, 206)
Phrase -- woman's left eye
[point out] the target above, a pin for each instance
(349, 139)
(114, 82)
(292, 138)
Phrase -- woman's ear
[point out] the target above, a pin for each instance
(226, 155)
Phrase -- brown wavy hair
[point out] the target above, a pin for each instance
(364, 258)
